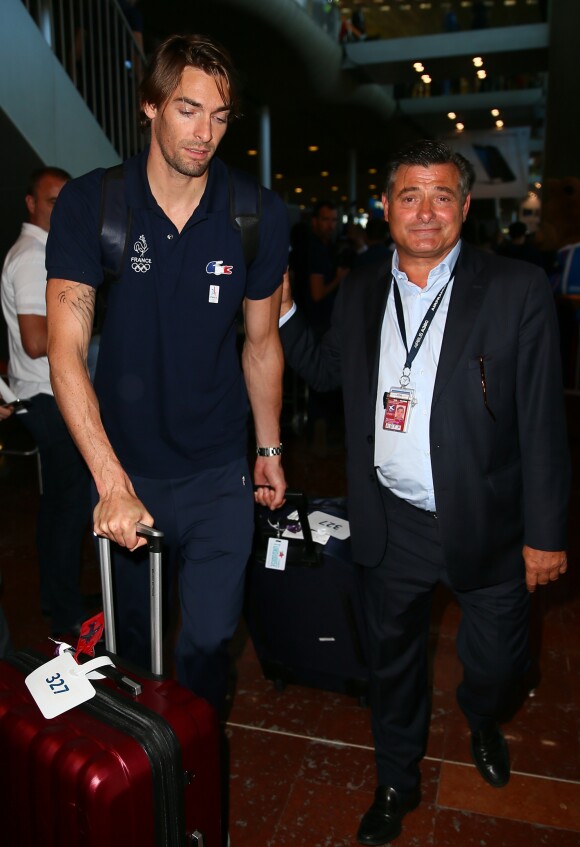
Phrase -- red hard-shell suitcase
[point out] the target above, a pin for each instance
(120, 770)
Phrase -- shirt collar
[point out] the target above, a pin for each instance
(440, 274)
(35, 231)
(139, 194)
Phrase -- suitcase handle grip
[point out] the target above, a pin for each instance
(154, 543)
(298, 499)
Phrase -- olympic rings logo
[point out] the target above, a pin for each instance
(140, 266)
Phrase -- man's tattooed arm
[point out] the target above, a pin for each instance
(70, 308)
(80, 299)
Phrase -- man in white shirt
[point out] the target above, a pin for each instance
(65, 505)
(457, 463)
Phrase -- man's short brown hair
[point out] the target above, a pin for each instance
(188, 51)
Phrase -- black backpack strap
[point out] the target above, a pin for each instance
(245, 211)
(114, 222)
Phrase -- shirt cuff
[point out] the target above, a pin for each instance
(287, 316)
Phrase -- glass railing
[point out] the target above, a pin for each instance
(96, 47)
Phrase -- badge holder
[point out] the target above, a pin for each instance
(398, 403)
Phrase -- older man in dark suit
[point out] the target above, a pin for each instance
(466, 484)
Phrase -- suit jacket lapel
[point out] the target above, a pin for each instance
(376, 301)
(467, 295)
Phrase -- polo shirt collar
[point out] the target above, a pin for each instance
(139, 195)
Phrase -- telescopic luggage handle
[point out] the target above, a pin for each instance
(154, 543)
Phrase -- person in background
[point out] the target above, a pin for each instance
(376, 238)
(64, 509)
(518, 246)
(316, 271)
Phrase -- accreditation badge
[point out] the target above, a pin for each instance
(398, 403)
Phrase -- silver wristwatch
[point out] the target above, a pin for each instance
(269, 451)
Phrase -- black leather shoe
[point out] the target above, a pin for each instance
(491, 756)
(382, 822)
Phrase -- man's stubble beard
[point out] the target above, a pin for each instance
(181, 164)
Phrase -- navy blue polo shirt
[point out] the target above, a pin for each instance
(171, 391)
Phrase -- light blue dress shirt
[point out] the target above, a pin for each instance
(403, 459)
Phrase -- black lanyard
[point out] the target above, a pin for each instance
(424, 326)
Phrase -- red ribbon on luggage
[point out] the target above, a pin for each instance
(91, 632)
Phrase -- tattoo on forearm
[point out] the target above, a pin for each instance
(81, 302)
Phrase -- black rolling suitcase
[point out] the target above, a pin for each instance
(306, 621)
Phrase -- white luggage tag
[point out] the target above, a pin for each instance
(329, 524)
(276, 554)
(61, 683)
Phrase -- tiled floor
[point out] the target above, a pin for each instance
(302, 770)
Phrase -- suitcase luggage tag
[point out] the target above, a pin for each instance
(277, 552)
(61, 683)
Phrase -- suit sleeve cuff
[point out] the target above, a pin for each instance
(287, 316)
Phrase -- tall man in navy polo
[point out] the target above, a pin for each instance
(164, 432)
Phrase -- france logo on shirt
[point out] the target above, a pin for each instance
(217, 268)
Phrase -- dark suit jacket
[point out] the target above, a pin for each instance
(498, 484)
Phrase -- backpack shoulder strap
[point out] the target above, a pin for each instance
(245, 211)
(114, 222)
(115, 217)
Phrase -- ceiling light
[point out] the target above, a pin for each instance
(298, 191)
(323, 173)
(252, 152)
(481, 74)
(424, 5)
(537, 185)
(385, 9)
(451, 116)
(418, 67)
(499, 124)
(509, 2)
(313, 148)
(495, 113)
(278, 176)
(372, 187)
(334, 187)
(372, 170)
(478, 61)
(459, 127)
(426, 78)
